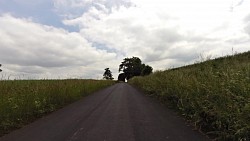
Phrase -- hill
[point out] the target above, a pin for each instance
(214, 95)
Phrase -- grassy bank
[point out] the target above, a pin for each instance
(22, 101)
(214, 95)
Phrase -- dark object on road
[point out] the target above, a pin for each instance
(122, 77)
(117, 113)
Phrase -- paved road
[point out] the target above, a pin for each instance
(117, 113)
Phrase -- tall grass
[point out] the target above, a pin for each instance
(214, 95)
(22, 101)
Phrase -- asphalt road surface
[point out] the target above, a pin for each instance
(117, 113)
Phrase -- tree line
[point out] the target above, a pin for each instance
(129, 67)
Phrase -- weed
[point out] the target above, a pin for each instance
(214, 94)
(22, 101)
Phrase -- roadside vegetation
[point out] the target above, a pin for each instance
(23, 101)
(214, 95)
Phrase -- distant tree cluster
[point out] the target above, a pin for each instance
(130, 67)
(133, 67)
(107, 74)
(0, 66)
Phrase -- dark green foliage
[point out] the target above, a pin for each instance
(122, 77)
(133, 67)
(146, 70)
(108, 74)
(215, 94)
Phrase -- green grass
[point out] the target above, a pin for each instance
(23, 101)
(214, 95)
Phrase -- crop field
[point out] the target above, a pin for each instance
(23, 101)
(214, 95)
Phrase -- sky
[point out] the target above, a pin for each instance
(61, 39)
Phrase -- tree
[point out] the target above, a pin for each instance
(146, 70)
(0, 66)
(133, 67)
(107, 74)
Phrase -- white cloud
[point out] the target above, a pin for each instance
(73, 8)
(30, 48)
(247, 24)
(168, 30)
(163, 33)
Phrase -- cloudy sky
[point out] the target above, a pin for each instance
(79, 38)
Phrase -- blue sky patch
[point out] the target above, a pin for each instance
(40, 11)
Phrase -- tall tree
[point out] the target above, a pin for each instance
(133, 67)
(107, 74)
(0, 66)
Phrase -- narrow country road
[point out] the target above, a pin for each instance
(117, 113)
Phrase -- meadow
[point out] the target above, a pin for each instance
(213, 95)
(23, 101)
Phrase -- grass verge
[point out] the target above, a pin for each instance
(23, 101)
(214, 95)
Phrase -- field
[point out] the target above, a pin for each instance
(214, 95)
(23, 101)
